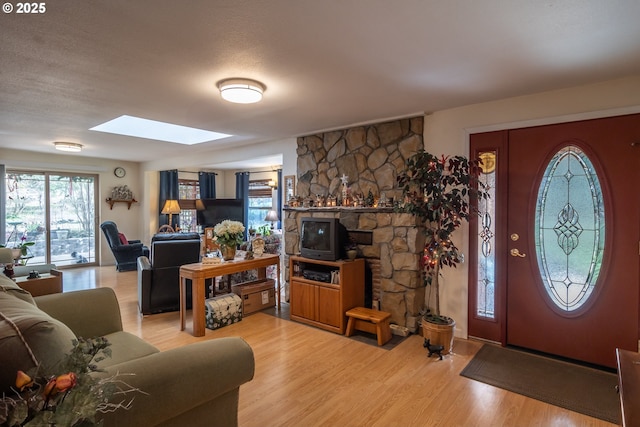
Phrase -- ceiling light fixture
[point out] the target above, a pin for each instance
(68, 146)
(241, 91)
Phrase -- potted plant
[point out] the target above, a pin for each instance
(19, 249)
(438, 191)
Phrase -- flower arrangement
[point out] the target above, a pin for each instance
(229, 233)
(72, 398)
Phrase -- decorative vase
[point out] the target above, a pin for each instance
(352, 253)
(228, 252)
(439, 333)
(16, 253)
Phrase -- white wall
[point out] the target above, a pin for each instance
(448, 131)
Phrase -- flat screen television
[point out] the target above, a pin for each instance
(322, 238)
(217, 210)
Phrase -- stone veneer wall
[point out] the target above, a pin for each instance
(371, 156)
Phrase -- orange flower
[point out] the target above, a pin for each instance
(65, 382)
(23, 381)
(50, 388)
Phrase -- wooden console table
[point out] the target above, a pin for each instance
(199, 273)
(629, 386)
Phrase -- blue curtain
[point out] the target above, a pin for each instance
(207, 185)
(279, 194)
(169, 190)
(242, 193)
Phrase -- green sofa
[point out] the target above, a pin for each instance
(197, 384)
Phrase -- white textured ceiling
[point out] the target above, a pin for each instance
(326, 63)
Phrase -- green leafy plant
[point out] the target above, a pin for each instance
(264, 230)
(440, 192)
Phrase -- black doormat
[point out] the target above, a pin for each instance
(582, 389)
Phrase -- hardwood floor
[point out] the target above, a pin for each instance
(309, 377)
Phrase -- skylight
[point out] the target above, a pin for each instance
(160, 131)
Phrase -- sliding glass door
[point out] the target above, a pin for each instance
(55, 211)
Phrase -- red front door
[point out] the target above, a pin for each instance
(571, 239)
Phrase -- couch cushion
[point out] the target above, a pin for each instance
(175, 236)
(10, 287)
(49, 339)
(126, 347)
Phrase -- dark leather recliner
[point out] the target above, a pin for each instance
(159, 278)
(126, 255)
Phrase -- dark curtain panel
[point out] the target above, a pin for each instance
(169, 190)
(207, 185)
(279, 195)
(242, 193)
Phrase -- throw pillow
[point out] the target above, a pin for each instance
(10, 287)
(123, 239)
(48, 339)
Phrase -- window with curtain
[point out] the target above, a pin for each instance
(189, 192)
(260, 202)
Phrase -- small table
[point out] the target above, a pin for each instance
(199, 273)
(47, 283)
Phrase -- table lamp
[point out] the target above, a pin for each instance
(171, 207)
(271, 216)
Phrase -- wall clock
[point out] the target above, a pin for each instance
(119, 172)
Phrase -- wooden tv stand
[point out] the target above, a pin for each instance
(324, 304)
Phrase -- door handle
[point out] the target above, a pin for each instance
(516, 252)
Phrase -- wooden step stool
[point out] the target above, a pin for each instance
(368, 320)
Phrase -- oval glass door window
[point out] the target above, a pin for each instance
(569, 228)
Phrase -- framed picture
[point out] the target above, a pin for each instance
(289, 187)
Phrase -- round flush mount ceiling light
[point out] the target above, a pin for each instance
(241, 91)
(68, 146)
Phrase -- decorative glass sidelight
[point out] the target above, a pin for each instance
(485, 303)
(569, 228)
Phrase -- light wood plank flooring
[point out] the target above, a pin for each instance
(308, 377)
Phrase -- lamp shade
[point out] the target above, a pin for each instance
(241, 91)
(171, 207)
(271, 216)
(199, 205)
